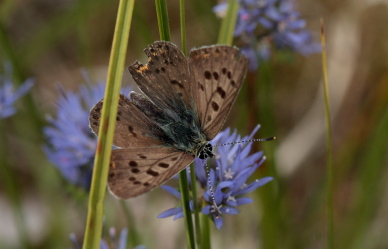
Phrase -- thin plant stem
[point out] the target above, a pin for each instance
(183, 25)
(106, 130)
(133, 238)
(270, 196)
(206, 243)
(164, 30)
(162, 15)
(196, 206)
(228, 24)
(12, 190)
(192, 168)
(330, 219)
(183, 185)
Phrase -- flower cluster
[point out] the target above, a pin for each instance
(263, 23)
(228, 175)
(114, 242)
(71, 143)
(8, 94)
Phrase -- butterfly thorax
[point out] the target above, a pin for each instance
(181, 128)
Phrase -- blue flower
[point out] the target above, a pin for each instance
(71, 143)
(263, 23)
(229, 173)
(113, 243)
(8, 94)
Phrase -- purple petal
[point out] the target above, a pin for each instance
(103, 245)
(225, 184)
(254, 185)
(218, 222)
(170, 212)
(243, 200)
(206, 210)
(172, 191)
(178, 215)
(123, 239)
(229, 210)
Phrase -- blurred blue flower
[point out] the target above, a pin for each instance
(8, 94)
(113, 243)
(228, 175)
(263, 23)
(71, 143)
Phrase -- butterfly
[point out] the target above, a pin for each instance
(183, 105)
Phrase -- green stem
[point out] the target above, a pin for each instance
(330, 220)
(192, 168)
(14, 195)
(108, 119)
(196, 206)
(228, 24)
(133, 235)
(205, 231)
(271, 222)
(183, 25)
(162, 15)
(183, 185)
(164, 29)
(18, 74)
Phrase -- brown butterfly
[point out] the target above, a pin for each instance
(184, 104)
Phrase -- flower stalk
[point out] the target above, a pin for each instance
(108, 118)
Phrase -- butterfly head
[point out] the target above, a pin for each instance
(206, 151)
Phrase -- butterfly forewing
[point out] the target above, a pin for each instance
(133, 128)
(165, 79)
(134, 171)
(185, 104)
(217, 73)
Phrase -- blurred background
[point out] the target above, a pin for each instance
(54, 41)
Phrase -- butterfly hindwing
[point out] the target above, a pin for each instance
(134, 171)
(217, 73)
(165, 79)
(185, 104)
(133, 128)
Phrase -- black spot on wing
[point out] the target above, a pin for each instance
(229, 75)
(208, 75)
(221, 92)
(152, 173)
(175, 82)
(215, 106)
(131, 130)
(135, 170)
(215, 75)
(132, 164)
(163, 165)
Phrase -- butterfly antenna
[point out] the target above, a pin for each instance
(248, 141)
(217, 212)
